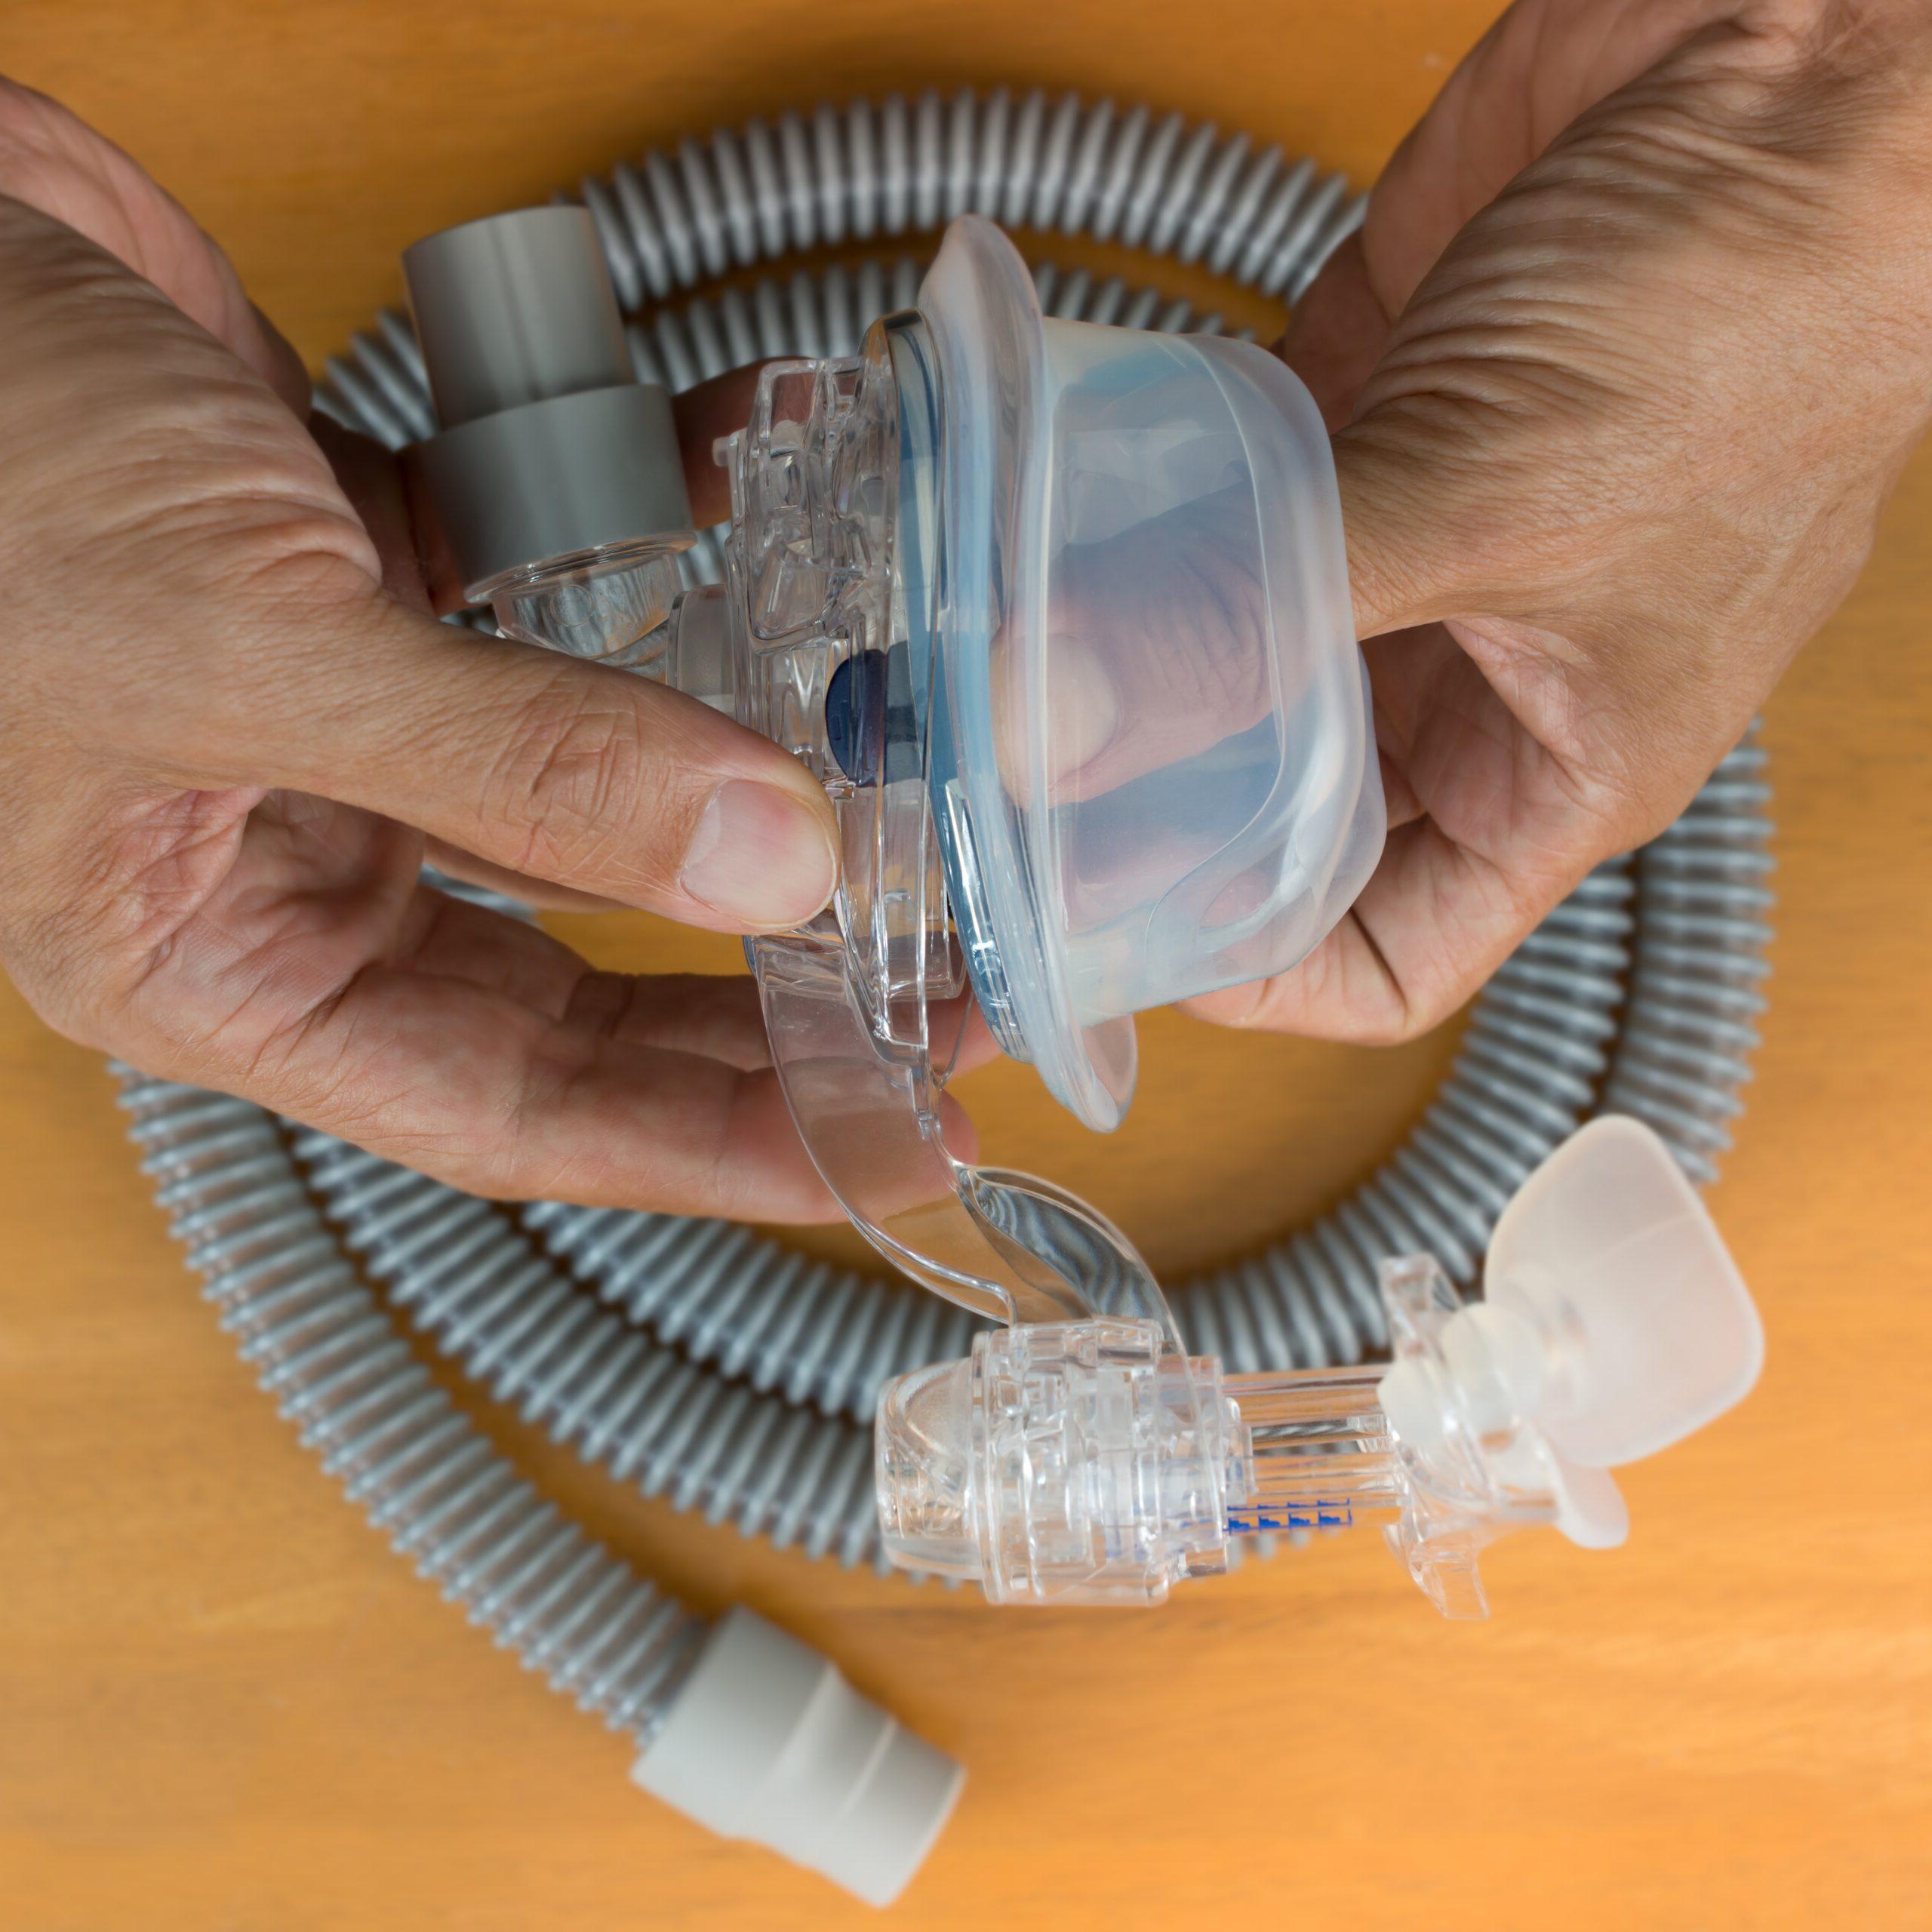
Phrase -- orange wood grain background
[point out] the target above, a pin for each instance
(223, 1704)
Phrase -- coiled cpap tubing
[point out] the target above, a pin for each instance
(696, 1359)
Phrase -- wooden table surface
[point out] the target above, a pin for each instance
(223, 1704)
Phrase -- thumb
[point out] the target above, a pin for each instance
(1416, 534)
(1491, 453)
(574, 774)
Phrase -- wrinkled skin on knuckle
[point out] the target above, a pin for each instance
(53, 980)
(156, 489)
(75, 911)
(69, 942)
(1689, 464)
(577, 789)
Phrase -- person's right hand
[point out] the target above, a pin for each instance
(224, 748)
(1634, 343)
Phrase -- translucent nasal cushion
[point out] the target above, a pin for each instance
(1608, 1251)
(1153, 740)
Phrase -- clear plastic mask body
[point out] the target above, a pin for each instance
(1059, 614)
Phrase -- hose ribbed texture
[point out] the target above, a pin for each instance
(870, 171)
(705, 1363)
(467, 1277)
(1703, 921)
(416, 1466)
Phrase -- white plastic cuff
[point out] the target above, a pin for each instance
(767, 1741)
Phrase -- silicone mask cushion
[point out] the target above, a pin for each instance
(1151, 748)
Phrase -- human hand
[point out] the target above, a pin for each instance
(1626, 358)
(227, 744)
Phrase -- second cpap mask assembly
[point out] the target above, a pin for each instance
(1058, 615)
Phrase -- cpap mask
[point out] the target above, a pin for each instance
(1058, 615)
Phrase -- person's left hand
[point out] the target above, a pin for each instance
(230, 734)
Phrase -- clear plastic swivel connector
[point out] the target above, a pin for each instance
(1079, 1463)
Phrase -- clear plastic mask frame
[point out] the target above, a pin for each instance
(828, 645)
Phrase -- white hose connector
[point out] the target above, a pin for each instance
(767, 1741)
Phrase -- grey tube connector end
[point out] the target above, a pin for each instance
(514, 308)
(767, 1741)
(549, 447)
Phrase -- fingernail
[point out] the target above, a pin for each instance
(759, 856)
